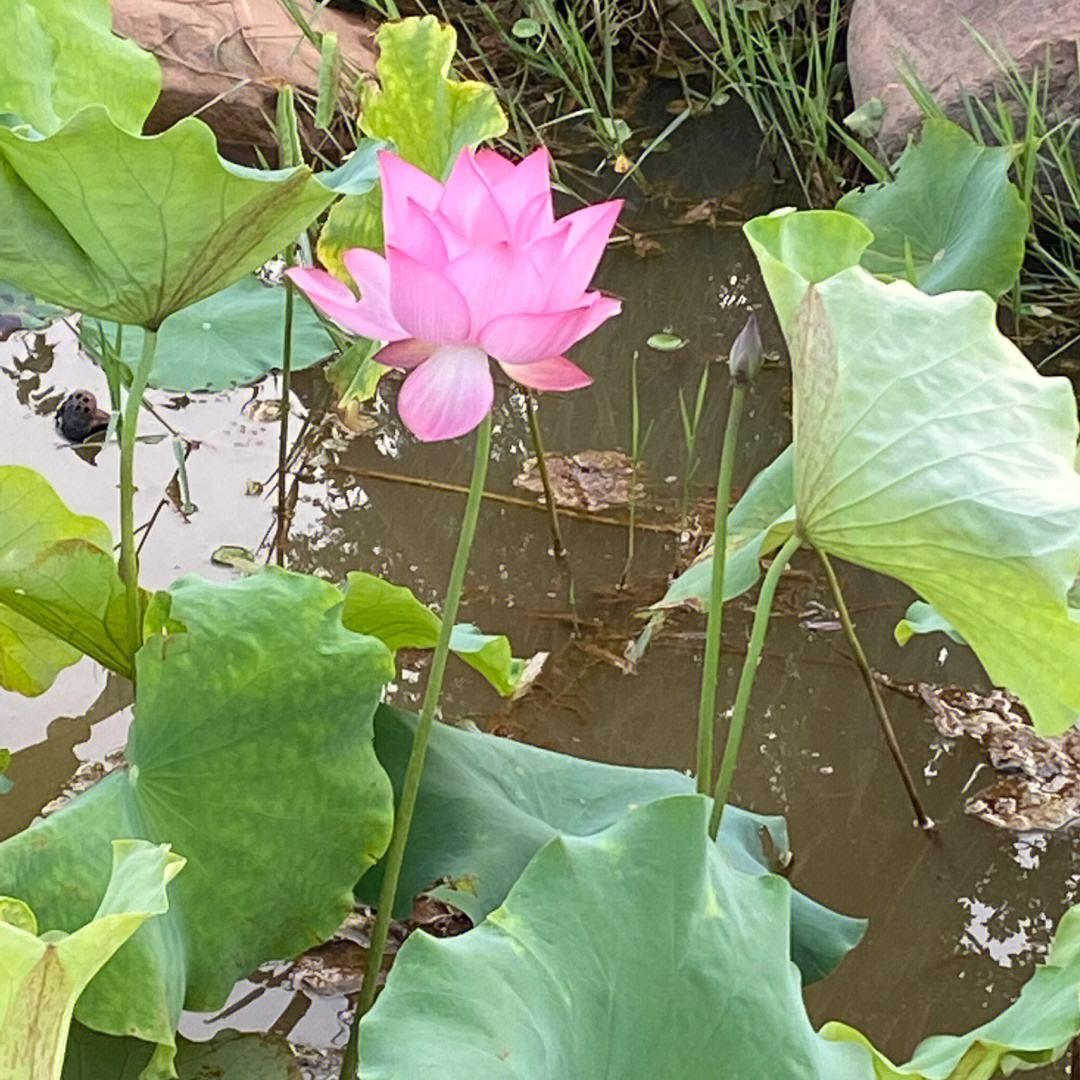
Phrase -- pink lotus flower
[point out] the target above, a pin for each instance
(477, 267)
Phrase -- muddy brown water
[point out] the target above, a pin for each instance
(955, 926)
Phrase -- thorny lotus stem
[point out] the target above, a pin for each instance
(746, 679)
(923, 820)
(280, 540)
(410, 788)
(714, 630)
(532, 408)
(129, 429)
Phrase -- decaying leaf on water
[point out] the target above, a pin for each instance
(1038, 784)
(588, 480)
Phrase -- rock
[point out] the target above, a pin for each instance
(934, 38)
(235, 53)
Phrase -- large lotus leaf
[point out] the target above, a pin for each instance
(929, 449)
(60, 593)
(427, 115)
(60, 55)
(229, 339)
(131, 227)
(950, 220)
(42, 977)
(229, 1055)
(756, 526)
(397, 618)
(639, 952)
(1033, 1031)
(487, 805)
(256, 690)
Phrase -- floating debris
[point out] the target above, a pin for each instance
(1038, 786)
(590, 480)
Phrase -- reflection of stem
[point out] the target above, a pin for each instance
(410, 788)
(531, 409)
(283, 434)
(746, 679)
(924, 821)
(129, 562)
(714, 630)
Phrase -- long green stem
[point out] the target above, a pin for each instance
(411, 786)
(925, 822)
(746, 679)
(531, 410)
(280, 540)
(129, 429)
(714, 630)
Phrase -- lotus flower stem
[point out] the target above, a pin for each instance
(746, 679)
(281, 538)
(129, 429)
(532, 408)
(714, 630)
(925, 822)
(410, 789)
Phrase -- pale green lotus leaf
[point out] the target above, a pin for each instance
(1034, 1031)
(42, 977)
(60, 55)
(423, 111)
(573, 976)
(249, 689)
(924, 618)
(950, 220)
(133, 228)
(232, 338)
(355, 375)
(927, 448)
(60, 593)
(488, 804)
(394, 615)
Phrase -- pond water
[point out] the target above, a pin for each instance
(955, 923)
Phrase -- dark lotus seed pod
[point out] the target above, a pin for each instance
(78, 417)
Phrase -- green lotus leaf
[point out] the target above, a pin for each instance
(427, 115)
(927, 448)
(396, 617)
(355, 374)
(60, 593)
(950, 220)
(229, 339)
(21, 311)
(61, 55)
(229, 1055)
(42, 977)
(133, 228)
(1033, 1031)
(487, 805)
(924, 618)
(757, 524)
(256, 688)
(569, 977)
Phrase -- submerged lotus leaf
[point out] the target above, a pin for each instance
(394, 615)
(60, 593)
(60, 55)
(950, 220)
(757, 524)
(927, 448)
(571, 978)
(133, 228)
(229, 1055)
(229, 339)
(487, 805)
(1035, 1030)
(251, 752)
(42, 977)
(426, 114)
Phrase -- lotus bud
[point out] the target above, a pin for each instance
(746, 358)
